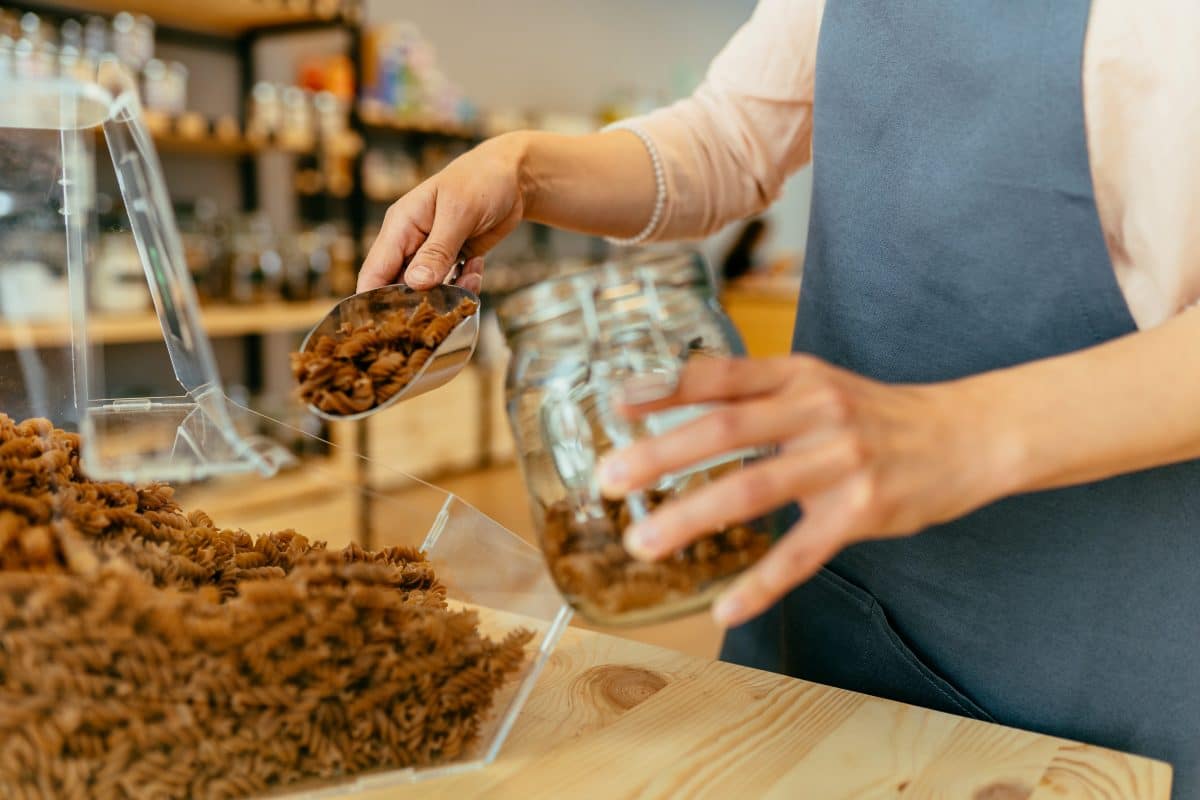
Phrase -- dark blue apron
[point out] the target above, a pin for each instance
(954, 231)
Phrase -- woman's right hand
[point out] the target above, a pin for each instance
(601, 184)
(467, 208)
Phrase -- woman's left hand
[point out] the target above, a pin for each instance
(863, 459)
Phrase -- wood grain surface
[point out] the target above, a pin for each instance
(613, 718)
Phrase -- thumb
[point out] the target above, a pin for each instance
(431, 263)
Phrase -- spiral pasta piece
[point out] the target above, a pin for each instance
(437, 330)
(418, 359)
(421, 316)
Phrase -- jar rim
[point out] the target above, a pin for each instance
(611, 280)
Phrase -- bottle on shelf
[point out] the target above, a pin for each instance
(404, 85)
(164, 87)
(95, 37)
(133, 39)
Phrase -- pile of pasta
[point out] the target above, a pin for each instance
(364, 366)
(146, 653)
(594, 570)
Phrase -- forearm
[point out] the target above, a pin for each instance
(601, 183)
(1127, 405)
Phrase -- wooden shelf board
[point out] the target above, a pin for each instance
(208, 145)
(170, 142)
(417, 125)
(144, 326)
(218, 17)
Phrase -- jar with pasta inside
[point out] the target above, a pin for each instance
(626, 327)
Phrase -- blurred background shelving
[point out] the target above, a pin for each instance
(213, 17)
(219, 321)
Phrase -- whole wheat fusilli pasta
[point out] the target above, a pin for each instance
(591, 566)
(366, 365)
(145, 652)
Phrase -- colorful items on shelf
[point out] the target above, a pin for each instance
(388, 174)
(31, 47)
(264, 265)
(333, 74)
(296, 119)
(404, 85)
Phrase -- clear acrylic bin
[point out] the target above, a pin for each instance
(60, 141)
(51, 181)
(485, 567)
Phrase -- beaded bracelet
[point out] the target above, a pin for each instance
(660, 184)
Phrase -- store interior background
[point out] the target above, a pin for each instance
(564, 61)
(572, 56)
(560, 66)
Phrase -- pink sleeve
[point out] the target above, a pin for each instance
(728, 148)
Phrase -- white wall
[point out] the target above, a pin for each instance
(568, 55)
(571, 55)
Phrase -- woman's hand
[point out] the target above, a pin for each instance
(468, 207)
(863, 459)
(601, 183)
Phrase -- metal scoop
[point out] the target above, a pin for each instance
(446, 361)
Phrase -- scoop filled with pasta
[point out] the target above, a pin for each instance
(381, 346)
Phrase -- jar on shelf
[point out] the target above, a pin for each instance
(298, 130)
(265, 116)
(125, 42)
(156, 88)
(165, 87)
(95, 36)
(6, 56)
(70, 34)
(577, 340)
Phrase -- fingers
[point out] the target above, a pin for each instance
(433, 261)
(723, 430)
(471, 278)
(706, 380)
(743, 495)
(794, 559)
(400, 236)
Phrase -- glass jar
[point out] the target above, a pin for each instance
(626, 326)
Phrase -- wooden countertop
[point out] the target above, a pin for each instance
(613, 718)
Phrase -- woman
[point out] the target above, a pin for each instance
(994, 348)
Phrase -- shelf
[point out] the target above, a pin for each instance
(216, 17)
(144, 326)
(376, 121)
(206, 146)
(170, 142)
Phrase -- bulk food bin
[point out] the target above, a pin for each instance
(147, 642)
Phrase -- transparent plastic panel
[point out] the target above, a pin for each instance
(51, 270)
(47, 204)
(486, 568)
